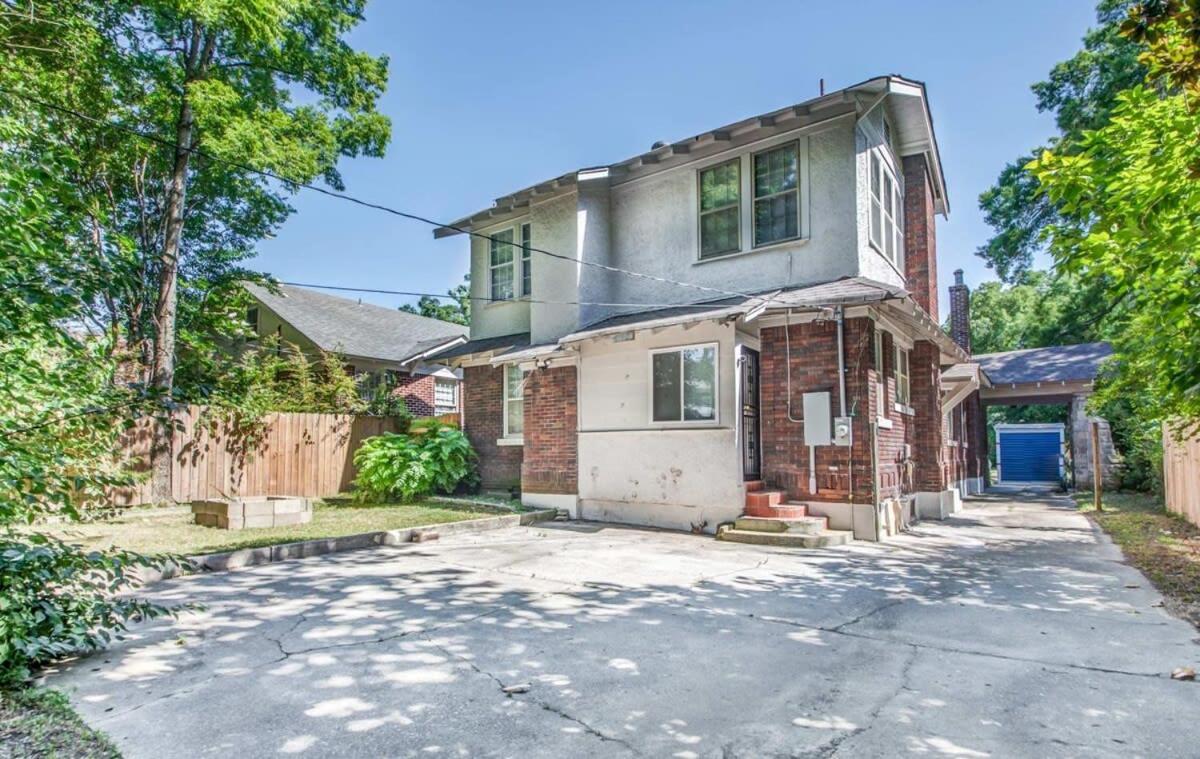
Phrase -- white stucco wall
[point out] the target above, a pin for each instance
(502, 318)
(638, 472)
(554, 229)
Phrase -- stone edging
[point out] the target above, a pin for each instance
(252, 557)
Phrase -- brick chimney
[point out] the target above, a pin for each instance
(960, 312)
(920, 234)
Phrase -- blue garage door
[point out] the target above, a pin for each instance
(1029, 456)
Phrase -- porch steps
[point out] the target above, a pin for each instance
(772, 521)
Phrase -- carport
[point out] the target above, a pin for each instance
(1055, 375)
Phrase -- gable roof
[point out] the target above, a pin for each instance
(354, 328)
(1056, 363)
(911, 109)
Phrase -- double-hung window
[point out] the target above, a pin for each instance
(501, 264)
(526, 256)
(514, 401)
(777, 195)
(445, 396)
(684, 384)
(887, 210)
(903, 388)
(720, 209)
(880, 382)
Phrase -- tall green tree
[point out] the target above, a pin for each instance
(456, 311)
(221, 89)
(1081, 93)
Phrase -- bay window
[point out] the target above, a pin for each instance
(684, 384)
(887, 210)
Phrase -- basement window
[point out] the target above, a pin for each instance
(887, 210)
(684, 384)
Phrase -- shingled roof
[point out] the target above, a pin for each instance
(354, 328)
(1058, 363)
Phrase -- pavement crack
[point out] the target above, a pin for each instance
(865, 615)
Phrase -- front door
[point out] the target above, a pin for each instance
(751, 441)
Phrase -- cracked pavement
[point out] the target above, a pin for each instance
(1014, 629)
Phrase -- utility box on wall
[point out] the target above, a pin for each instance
(818, 419)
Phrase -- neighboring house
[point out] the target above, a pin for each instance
(818, 380)
(384, 344)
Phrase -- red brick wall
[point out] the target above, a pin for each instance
(895, 473)
(929, 453)
(814, 369)
(550, 462)
(960, 312)
(920, 235)
(975, 436)
(482, 399)
(417, 390)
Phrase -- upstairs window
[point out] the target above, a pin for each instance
(903, 388)
(720, 209)
(501, 264)
(526, 267)
(514, 401)
(887, 211)
(684, 384)
(777, 195)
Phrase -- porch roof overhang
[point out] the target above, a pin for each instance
(1050, 375)
(959, 381)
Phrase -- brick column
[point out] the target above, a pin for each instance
(551, 463)
(483, 422)
(920, 235)
(928, 445)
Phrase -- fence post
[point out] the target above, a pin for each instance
(1097, 475)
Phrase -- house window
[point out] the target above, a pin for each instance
(902, 378)
(880, 382)
(777, 195)
(526, 264)
(252, 319)
(887, 210)
(501, 263)
(514, 401)
(720, 209)
(445, 396)
(684, 384)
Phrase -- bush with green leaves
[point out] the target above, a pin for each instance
(431, 458)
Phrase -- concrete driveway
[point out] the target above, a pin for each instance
(1014, 630)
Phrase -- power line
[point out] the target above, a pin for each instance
(497, 300)
(357, 201)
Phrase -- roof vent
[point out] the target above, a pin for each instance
(658, 144)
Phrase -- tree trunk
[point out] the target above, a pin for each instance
(163, 375)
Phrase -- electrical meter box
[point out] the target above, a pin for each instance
(842, 430)
(818, 418)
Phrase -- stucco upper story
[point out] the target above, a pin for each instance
(802, 194)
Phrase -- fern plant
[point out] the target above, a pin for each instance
(432, 458)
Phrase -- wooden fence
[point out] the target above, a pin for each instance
(1181, 475)
(298, 454)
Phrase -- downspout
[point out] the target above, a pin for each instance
(812, 451)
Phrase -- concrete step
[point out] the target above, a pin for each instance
(779, 511)
(823, 539)
(805, 525)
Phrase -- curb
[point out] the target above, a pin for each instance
(228, 561)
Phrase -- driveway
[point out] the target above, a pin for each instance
(1012, 630)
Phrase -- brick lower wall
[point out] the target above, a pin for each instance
(483, 420)
(929, 451)
(550, 463)
(417, 391)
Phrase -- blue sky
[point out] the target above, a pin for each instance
(487, 98)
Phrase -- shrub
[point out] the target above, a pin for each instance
(433, 457)
(58, 600)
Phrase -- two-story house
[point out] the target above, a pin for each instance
(744, 320)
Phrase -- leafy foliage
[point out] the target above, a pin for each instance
(60, 600)
(431, 458)
(457, 311)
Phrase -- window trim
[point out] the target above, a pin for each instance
(453, 385)
(716, 420)
(700, 213)
(526, 258)
(754, 244)
(506, 434)
(491, 277)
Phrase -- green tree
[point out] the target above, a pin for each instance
(1081, 93)
(224, 90)
(456, 311)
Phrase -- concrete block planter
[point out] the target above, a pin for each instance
(253, 512)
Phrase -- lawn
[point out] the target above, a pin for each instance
(172, 531)
(41, 723)
(1162, 545)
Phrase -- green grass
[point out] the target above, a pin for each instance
(1164, 546)
(39, 722)
(144, 531)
